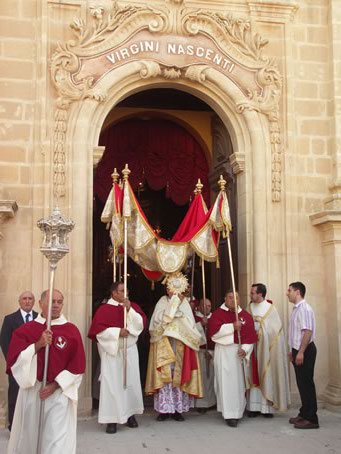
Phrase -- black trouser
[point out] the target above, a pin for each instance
(305, 383)
(13, 389)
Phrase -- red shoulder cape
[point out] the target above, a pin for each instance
(220, 317)
(110, 316)
(66, 351)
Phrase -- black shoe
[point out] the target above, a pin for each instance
(162, 417)
(177, 416)
(268, 415)
(111, 428)
(202, 410)
(252, 414)
(232, 422)
(132, 422)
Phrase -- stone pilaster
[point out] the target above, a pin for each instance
(8, 209)
(329, 223)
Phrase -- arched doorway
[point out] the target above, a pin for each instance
(167, 154)
(249, 138)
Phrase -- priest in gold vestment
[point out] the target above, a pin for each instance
(269, 390)
(173, 374)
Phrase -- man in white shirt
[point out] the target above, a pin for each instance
(11, 322)
(302, 332)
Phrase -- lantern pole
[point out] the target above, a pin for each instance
(55, 246)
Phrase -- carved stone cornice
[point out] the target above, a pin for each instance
(77, 65)
(8, 208)
(237, 161)
(274, 10)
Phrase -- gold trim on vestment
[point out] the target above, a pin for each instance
(275, 338)
(159, 370)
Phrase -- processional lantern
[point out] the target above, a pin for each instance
(54, 247)
(55, 230)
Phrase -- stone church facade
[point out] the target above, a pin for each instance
(269, 70)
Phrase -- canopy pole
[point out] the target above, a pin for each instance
(222, 184)
(125, 173)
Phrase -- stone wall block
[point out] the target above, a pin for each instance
(16, 69)
(9, 8)
(16, 28)
(318, 146)
(305, 90)
(12, 153)
(16, 89)
(22, 194)
(15, 131)
(317, 35)
(21, 49)
(9, 174)
(323, 166)
(310, 108)
(314, 53)
(28, 8)
(316, 127)
(11, 110)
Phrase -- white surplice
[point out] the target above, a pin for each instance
(60, 414)
(229, 382)
(116, 403)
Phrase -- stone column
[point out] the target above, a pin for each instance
(329, 223)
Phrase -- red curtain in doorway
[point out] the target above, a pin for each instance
(158, 151)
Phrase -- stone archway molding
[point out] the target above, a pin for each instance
(172, 42)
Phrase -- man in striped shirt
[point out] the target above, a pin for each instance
(303, 355)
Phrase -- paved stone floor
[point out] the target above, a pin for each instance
(208, 434)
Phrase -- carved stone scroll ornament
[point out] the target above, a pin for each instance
(103, 33)
(235, 36)
(109, 29)
(152, 69)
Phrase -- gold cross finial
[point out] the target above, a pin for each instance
(115, 176)
(198, 187)
(126, 173)
(221, 183)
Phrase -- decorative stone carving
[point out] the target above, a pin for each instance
(77, 65)
(8, 208)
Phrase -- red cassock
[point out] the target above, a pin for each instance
(220, 317)
(66, 351)
(110, 316)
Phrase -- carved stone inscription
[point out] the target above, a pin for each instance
(169, 50)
